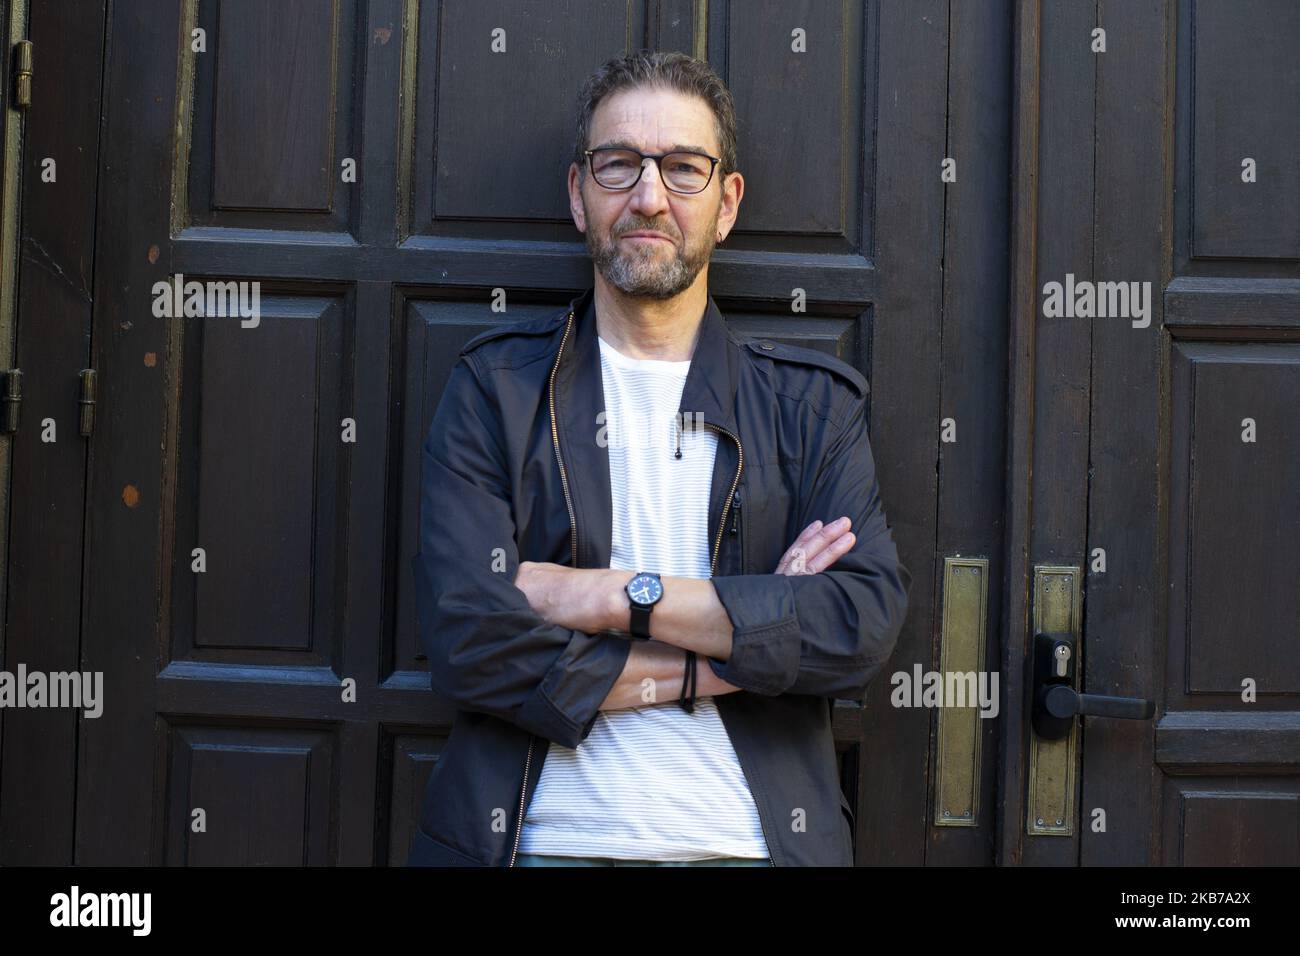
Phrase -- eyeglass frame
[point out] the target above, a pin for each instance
(658, 158)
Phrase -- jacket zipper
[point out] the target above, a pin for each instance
(737, 530)
(713, 564)
(731, 495)
(573, 539)
(555, 438)
(573, 560)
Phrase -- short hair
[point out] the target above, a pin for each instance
(659, 70)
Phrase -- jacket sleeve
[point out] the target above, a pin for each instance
(488, 651)
(829, 633)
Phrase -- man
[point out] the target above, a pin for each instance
(651, 554)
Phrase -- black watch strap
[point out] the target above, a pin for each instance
(641, 621)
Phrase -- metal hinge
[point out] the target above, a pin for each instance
(12, 399)
(87, 401)
(22, 60)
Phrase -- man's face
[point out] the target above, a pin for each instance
(652, 121)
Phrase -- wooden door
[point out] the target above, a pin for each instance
(253, 486)
(1155, 508)
(48, 223)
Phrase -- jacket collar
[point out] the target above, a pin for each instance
(708, 396)
(710, 388)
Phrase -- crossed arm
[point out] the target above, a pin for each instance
(689, 617)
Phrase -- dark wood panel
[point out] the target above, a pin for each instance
(260, 493)
(275, 110)
(801, 113)
(1246, 103)
(264, 795)
(1220, 103)
(1240, 823)
(1232, 597)
(287, 47)
(411, 758)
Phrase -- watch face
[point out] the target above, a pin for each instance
(645, 589)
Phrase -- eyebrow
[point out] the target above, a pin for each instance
(674, 148)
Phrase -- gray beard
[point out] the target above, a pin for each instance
(646, 276)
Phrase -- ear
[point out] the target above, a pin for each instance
(733, 188)
(575, 199)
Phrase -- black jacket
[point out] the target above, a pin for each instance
(514, 470)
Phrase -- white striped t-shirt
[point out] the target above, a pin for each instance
(652, 782)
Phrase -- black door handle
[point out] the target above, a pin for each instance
(1056, 702)
(1062, 701)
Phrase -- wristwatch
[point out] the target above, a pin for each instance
(643, 592)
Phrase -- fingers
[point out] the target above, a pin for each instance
(808, 533)
(817, 547)
(832, 553)
(800, 546)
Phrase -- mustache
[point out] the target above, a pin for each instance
(670, 233)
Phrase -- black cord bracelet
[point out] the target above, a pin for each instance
(687, 701)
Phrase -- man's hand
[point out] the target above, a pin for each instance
(817, 548)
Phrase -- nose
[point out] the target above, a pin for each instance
(649, 195)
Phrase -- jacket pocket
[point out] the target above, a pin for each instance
(737, 522)
(426, 851)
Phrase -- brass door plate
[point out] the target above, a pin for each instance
(1057, 608)
(960, 732)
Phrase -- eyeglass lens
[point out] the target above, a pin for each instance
(619, 168)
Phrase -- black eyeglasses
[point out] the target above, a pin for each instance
(615, 167)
